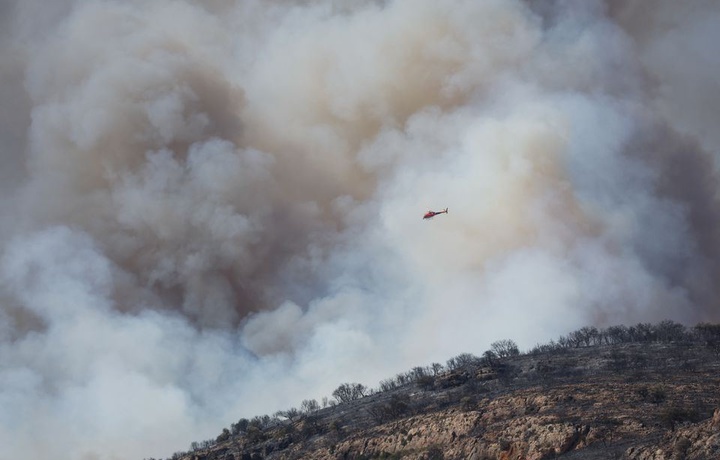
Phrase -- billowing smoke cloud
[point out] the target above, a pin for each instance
(211, 209)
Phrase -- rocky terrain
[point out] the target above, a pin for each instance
(650, 400)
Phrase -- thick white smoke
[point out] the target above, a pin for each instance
(212, 209)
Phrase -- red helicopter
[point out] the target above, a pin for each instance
(431, 214)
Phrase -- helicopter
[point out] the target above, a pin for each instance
(431, 214)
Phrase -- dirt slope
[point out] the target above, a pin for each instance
(636, 401)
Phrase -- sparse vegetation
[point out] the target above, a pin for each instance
(637, 353)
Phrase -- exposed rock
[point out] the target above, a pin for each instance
(578, 404)
(698, 441)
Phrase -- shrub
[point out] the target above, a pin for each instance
(311, 427)
(224, 436)
(467, 403)
(398, 406)
(254, 434)
(672, 415)
(240, 426)
(655, 394)
(435, 452)
(426, 382)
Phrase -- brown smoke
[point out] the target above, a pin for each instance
(213, 209)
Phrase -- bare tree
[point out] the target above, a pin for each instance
(417, 373)
(616, 334)
(708, 334)
(289, 414)
(489, 358)
(670, 331)
(462, 360)
(349, 392)
(388, 384)
(644, 332)
(504, 348)
(437, 368)
(309, 406)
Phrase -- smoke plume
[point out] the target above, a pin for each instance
(212, 209)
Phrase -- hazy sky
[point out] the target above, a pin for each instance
(212, 209)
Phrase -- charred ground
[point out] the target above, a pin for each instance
(639, 392)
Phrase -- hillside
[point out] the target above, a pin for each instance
(647, 396)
